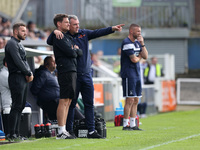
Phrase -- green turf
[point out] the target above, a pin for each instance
(168, 131)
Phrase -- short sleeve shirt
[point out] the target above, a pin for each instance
(128, 68)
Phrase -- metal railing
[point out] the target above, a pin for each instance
(188, 91)
(101, 13)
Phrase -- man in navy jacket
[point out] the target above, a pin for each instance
(84, 77)
(45, 86)
(47, 90)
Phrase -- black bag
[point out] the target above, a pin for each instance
(81, 130)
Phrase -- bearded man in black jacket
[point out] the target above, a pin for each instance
(19, 76)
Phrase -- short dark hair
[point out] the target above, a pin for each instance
(59, 18)
(17, 25)
(47, 60)
(133, 25)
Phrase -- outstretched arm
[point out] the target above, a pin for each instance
(117, 27)
(92, 34)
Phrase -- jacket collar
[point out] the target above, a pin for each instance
(15, 39)
(79, 31)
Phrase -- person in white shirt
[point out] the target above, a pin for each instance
(5, 99)
(4, 87)
(153, 71)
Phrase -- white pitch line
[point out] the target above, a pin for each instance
(79, 145)
(182, 139)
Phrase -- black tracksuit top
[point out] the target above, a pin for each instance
(65, 55)
(15, 55)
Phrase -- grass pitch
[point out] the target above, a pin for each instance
(173, 130)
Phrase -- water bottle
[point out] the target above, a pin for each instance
(42, 130)
(137, 121)
(53, 132)
(37, 131)
(48, 130)
(76, 127)
(104, 129)
(99, 126)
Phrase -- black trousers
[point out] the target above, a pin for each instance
(141, 108)
(49, 107)
(18, 88)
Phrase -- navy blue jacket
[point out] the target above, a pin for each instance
(45, 85)
(81, 39)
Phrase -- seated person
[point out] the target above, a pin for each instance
(4, 87)
(46, 88)
(5, 99)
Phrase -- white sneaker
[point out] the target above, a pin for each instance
(65, 135)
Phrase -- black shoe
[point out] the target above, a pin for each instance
(72, 133)
(127, 128)
(94, 135)
(136, 128)
(22, 138)
(7, 136)
(13, 138)
(65, 135)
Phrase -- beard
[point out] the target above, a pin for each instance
(135, 36)
(21, 37)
